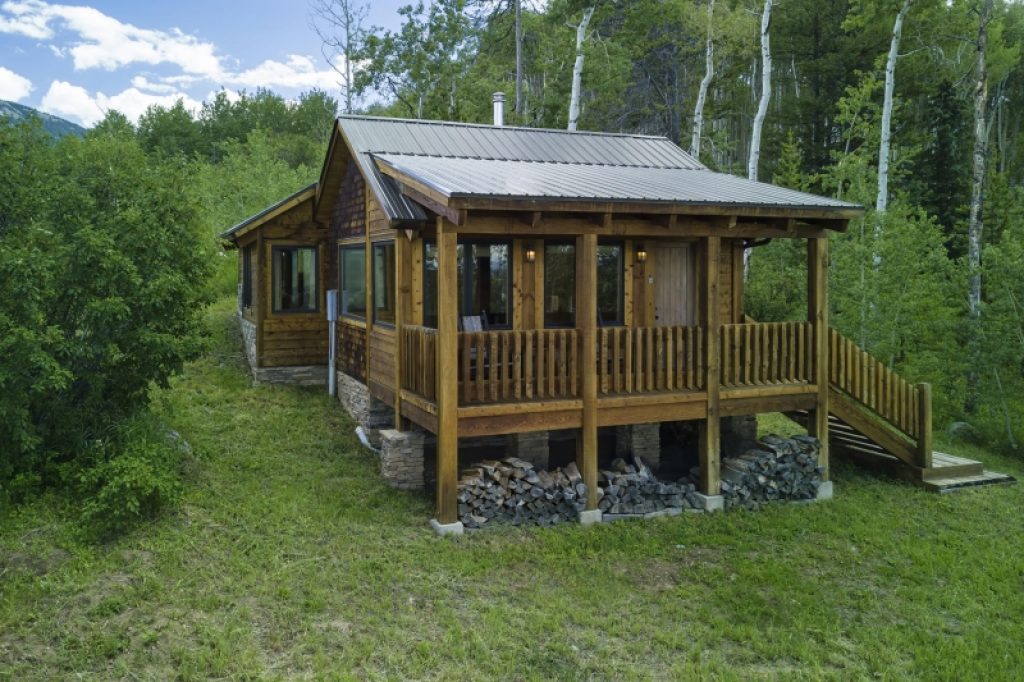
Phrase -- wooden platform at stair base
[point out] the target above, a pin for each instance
(947, 473)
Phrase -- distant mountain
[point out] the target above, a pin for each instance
(57, 127)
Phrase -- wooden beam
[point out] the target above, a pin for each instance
(428, 202)
(587, 206)
(447, 379)
(652, 226)
(924, 425)
(586, 283)
(817, 315)
(710, 428)
(260, 292)
(401, 284)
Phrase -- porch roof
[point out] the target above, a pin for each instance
(485, 179)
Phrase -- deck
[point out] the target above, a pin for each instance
(530, 380)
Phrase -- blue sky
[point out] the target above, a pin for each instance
(79, 60)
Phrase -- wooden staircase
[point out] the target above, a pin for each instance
(878, 419)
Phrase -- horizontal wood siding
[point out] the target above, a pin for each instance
(380, 227)
(292, 342)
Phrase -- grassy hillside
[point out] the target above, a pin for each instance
(289, 558)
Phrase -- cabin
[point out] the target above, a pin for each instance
(548, 292)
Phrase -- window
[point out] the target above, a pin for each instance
(352, 281)
(247, 276)
(295, 287)
(610, 306)
(559, 285)
(485, 282)
(384, 283)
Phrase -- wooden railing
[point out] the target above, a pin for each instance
(497, 366)
(869, 382)
(647, 359)
(419, 347)
(758, 354)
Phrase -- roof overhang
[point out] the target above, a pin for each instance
(269, 213)
(454, 205)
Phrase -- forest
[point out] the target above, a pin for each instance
(912, 108)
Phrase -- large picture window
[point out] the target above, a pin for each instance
(384, 283)
(485, 281)
(559, 285)
(352, 281)
(294, 277)
(610, 271)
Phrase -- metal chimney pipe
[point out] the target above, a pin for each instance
(499, 108)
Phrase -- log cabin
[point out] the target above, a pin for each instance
(511, 282)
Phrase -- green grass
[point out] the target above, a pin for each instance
(290, 559)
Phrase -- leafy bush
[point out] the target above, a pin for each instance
(103, 280)
(129, 476)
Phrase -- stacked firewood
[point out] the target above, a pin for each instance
(513, 490)
(778, 469)
(631, 488)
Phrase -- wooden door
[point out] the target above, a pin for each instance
(674, 299)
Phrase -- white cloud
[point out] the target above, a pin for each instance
(75, 103)
(143, 83)
(105, 42)
(12, 86)
(298, 72)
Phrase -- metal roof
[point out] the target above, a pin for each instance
(372, 136)
(492, 178)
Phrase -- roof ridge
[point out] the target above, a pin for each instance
(537, 161)
(463, 124)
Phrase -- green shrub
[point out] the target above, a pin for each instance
(130, 476)
(104, 271)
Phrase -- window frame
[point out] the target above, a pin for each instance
(544, 293)
(465, 266)
(390, 282)
(247, 271)
(621, 244)
(278, 248)
(360, 246)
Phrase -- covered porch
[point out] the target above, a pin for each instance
(691, 357)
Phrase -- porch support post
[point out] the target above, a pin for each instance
(710, 428)
(586, 309)
(401, 275)
(447, 380)
(817, 315)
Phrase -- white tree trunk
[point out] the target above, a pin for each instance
(882, 200)
(519, 59)
(702, 92)
(577, 69)
(344, 17)
(975, 224)
(766, 92)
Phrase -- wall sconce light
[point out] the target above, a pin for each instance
(531, 253)
(641, 254)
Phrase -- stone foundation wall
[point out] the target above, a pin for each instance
(739, 434)
(532, 447)
(354, 397)
(643, 440)
(401, 458)
(248, 339)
